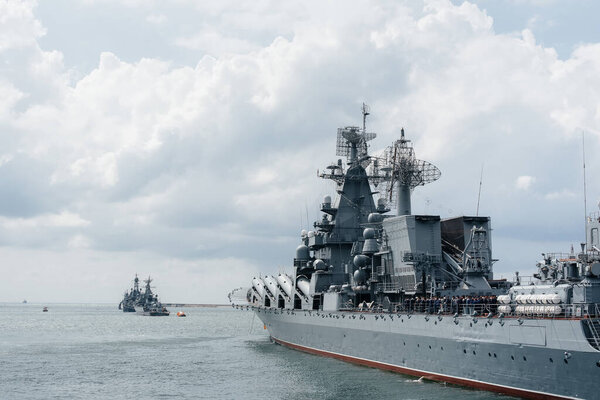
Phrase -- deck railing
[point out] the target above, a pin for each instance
(548, 311)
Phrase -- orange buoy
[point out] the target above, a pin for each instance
(180, 314)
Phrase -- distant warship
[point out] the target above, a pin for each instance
(416, 294)
(148, 304)
(131, 297)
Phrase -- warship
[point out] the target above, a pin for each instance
(148, 304)
(131, 297)
(416, 294)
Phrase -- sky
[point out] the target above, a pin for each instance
(181, 139)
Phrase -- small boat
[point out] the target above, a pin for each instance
(24, 302)
(180, 314)
(45, 309)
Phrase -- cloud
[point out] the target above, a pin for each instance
(18, 26)
(524, 182)
(562, 194)
(215, 159)
(215, 44)
(64, 219)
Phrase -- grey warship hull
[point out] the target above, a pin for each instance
(416, 294)
(521, 359)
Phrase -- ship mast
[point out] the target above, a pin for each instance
(404, 172)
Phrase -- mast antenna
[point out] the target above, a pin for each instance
(479, 194)
(584, 188)
(365, 111)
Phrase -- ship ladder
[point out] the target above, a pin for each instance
(593, 328)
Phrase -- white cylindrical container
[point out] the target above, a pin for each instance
(286, 283)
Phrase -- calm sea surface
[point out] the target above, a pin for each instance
(86, 351)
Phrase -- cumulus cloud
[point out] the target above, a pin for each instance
(18, 26)
(524, 182)
(63, 219)
(558, 195)
(215, 160)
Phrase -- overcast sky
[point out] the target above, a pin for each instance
(181, 139)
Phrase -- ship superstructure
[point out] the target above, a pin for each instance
(144, 301)
(131, 297)
(416, 293)
(148, 303)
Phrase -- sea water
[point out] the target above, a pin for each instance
(90, 351)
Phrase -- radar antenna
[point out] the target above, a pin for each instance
(352, 141)
(352, 144)
(404, 172)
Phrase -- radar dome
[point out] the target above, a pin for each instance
(303, 233)
(360, 260)
(327, 200)
(302, 252)
(311, 234)
(595, 268)
(369, 233)
(360, 276)
(375, 218)
(320, 264)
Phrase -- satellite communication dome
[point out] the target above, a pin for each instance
(302, 253)
(360, 260)
(360, 276)
(320, 264)
(375, 218)
(369, 233)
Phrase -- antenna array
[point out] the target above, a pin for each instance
(403, 169)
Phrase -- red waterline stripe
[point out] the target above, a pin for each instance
(427, 375)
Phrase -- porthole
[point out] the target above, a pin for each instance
(551, 360)
(474, 352)
(435, 322)
(418, 345)
(524, 358)
(429, 347)
(404, 343)
(566, 361)
(489, 354)
(597, 363)
(512, 357)
(465, 351)
(443, 350)
(495, 355)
